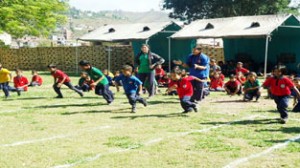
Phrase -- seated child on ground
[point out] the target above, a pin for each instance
(132, 86)
(164, 81)
(240, 68)
(20, 83)
(241, 78)
(296, 103)
(252, 88)
(159, 72)
(217, 82)
(85, 82)
(36, 79)
(185, 90)
(117, 74)
(109, 76)
(233, 86)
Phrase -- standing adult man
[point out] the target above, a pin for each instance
(5, 78)
(198, 64)
(147, 61)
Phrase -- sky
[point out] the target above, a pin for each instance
(125, 5)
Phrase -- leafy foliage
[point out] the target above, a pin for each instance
(31, 17)
(198, 9)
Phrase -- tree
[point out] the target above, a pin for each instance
(31, 17)
(189, 10)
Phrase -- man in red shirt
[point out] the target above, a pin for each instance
(281, 90)
(36, 79)
(20, 83)
(239, 68)
(233, 86)
(185, 90)
(60, 78)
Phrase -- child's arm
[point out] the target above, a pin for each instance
(140, 89)
(297, 92)
(237, 90)
(62, 82)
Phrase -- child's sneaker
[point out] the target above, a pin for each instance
(59, 97)
(81, 94)
(133, 110)
(144, 102)
(187, 111)
(195, 109)
(283, 120)
(19, 93)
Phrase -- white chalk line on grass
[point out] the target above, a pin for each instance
(151, 142)
(52, 138)
(265, 152)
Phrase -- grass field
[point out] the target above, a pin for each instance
(40, 131)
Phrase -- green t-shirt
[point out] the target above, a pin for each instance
(144, 64)
(248, 85)
(96, 74)
(81, 81)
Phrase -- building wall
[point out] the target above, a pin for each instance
(65, 57)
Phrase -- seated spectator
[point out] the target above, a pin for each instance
(164, 81)
(239, 68)
(296, 103)
(159, 72)
(20, 83)
(217, 83)
(233, 86)
(252, 88)
(85, 82)
(109, 77)
(117, 74)
(241, 78)
(213, 67)
(36, 79)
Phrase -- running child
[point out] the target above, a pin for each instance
(252, 88)
(132, 86)
(5, 78)
(36, 79)
(20, 83)
(233, 86)
(85, 82)
(185, 90)
(61, 78)
(281, 87)
(101, 83)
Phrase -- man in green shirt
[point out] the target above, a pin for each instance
(100, 81)
(252, 88)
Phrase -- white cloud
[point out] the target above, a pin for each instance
(125, 5)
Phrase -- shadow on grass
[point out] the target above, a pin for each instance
(161, 102)
(32, 98)
(172, 115)
(72, 105)
(245, 122)
(233, 101)
(117, 111)
(290, 130)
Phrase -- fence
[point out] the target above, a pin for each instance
(66, 58)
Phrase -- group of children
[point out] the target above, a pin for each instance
(178, 82)
(20, 82)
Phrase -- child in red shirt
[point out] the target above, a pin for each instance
(184, 89)
(36, 79)
(239, 68)
(60, 78)
(216, 82)
(164, 81)
(159, 72)
(233, 86)
(281, 87)
(20, 83)
(241, 78)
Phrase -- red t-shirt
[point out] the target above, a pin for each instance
(38, 79)
(60, 75)
(184, 86)
(222, 77)
(279, 87)
(234, 84)
(216, 83)
(242, 80)
(21, 81)
(159, 72)
(164, 81)
(243, 70)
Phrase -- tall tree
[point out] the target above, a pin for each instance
(31, 17)
(190, 10)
